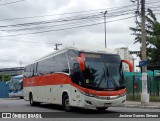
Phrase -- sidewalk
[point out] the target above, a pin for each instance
(150, 105)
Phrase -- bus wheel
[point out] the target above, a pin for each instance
(31, 99)
(65, 103)
(33, 103)
(21, 97)
(101, 108)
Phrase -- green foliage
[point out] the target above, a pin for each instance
(5, 77)
(154, 99)
(137, 97)
(152, 37)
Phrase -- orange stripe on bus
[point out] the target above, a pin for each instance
(57, 79)
(100, 93)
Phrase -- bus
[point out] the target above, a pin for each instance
(76, 77)
(16, 86)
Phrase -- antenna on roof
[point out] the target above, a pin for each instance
(56, 46)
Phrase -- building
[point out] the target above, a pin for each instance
(12, 71)
(124, 54)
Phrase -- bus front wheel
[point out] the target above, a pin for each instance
(65, 103)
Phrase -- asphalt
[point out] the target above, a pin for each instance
(128, 104)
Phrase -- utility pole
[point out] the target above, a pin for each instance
(104, 13)
(56, 46)
(20, 63)
(144, 95)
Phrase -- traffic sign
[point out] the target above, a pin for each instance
(143, 63)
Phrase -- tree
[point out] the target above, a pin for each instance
(5, 77)
(155, 42)
(152, 37)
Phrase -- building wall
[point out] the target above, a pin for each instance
(12, 71)
(124, 54)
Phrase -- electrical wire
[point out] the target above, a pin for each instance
(88, 11)
(11, 2)
(65, 28)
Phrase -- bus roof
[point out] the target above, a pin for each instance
(78, 48)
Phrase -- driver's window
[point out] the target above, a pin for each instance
(76, 66)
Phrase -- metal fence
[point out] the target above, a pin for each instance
(134, 86)
(4, 90)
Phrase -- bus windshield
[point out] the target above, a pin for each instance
(103, 72)
(16, 83)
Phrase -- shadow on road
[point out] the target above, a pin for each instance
(75, 110)
(75, 113)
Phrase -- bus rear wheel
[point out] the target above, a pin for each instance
(101, 108)
(66, 104)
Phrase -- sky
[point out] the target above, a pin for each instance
(29, 29)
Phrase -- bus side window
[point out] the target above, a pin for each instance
(35, 69)
(27, 71)
(32, 70)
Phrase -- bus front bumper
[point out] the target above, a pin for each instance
(108, 101)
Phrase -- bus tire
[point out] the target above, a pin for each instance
(65, 103)
(101, 108)
(21, 97)
(32, 103)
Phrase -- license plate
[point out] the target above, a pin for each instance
(107, 104)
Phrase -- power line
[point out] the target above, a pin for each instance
(48, 21)
(66, 28)
(53, 25)
(70, 22)
(40, 16)
(65, 19)
(50, 30)
(63, 24)
(11, 2)
(152, 2)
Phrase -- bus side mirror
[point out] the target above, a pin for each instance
(129, 64)
(81, 63)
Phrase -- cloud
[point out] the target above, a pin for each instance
(28, 48)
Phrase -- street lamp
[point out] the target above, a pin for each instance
(104, 13)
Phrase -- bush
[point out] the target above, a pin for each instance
(137, 97)
(5, 77)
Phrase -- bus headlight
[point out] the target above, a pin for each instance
(87, 94)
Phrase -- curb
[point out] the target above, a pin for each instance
(142, 106)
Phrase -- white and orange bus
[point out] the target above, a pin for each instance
(76, 77)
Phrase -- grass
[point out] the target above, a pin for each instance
(137, 97)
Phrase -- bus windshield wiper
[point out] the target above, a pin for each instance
(112, 79)
(101, 79)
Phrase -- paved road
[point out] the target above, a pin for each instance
(18, 105)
